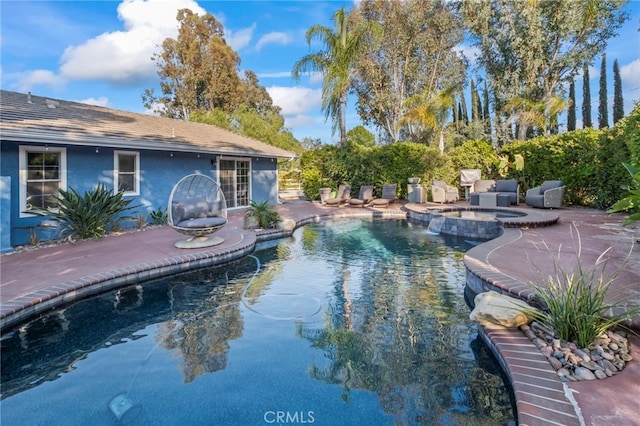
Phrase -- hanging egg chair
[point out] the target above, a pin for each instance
(197, 208)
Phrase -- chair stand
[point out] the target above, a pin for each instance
(199, 242)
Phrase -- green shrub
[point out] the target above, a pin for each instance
(570, 157)
(263, 215)
(631, 203)
(357, 165)
(475, 154)
(91, 215)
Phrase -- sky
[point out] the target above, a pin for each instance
(99, 52)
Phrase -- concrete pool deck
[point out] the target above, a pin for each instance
(34, 281)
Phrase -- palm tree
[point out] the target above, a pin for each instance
(430, 110)
(340, 50)
(528, 113)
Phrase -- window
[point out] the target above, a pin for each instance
(127, 172)
(43, 171)
(235, 182)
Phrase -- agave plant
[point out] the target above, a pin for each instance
(91, 215)
(159, 216)
(263, 214)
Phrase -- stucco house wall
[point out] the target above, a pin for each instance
(86, 135)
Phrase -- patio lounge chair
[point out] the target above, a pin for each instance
(548, 195)
(365, 197)
(510, 187)
(342, 196)
(197, 208)
(443, 193)
(388, 195)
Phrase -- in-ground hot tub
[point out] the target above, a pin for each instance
(483, 224)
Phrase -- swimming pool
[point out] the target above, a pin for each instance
(347, 322)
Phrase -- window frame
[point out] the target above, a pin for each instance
(136, 172)
(23, 171)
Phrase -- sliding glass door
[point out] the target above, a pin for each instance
(235, 181)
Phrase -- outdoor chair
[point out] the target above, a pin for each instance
(510, 187)
(548, 195)
(484, 185)
(443, 193)
(197, 208)
(481, 186)
(342, 196)
(364, 198)
(388, 195)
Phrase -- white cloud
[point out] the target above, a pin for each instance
(300, 121)
(316, 77)
(101, 101)
(630, 75)
(279, 74)
(124, 57)
(274, 38)
(239, 39)
(26, 81)
(295, 101)
(471, 53)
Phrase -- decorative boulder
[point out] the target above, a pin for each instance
(287, 225)
(492, 308)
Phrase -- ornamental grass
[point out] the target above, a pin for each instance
(574, 302)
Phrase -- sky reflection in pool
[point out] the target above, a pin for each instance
(347, 322)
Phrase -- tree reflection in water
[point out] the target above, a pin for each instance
(405, 334)
(373, 311)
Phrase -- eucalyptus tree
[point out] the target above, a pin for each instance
(198, 70)
(414, 55)
(530, 49)
(335, 61)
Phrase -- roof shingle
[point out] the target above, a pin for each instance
(28, 118)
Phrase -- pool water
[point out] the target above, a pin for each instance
(348, 322)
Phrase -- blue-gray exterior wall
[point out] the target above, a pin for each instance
(89, 166)
(264, 178)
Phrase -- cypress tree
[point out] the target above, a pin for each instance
(478, 105)
(465, 115)
(618, 103)
(454, 113)
(486, 116)
(586, 98)
(571, 114)
(603, 113)
(474, 102)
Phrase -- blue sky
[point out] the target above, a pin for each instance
(99, 52)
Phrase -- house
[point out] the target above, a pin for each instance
(47, 144)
